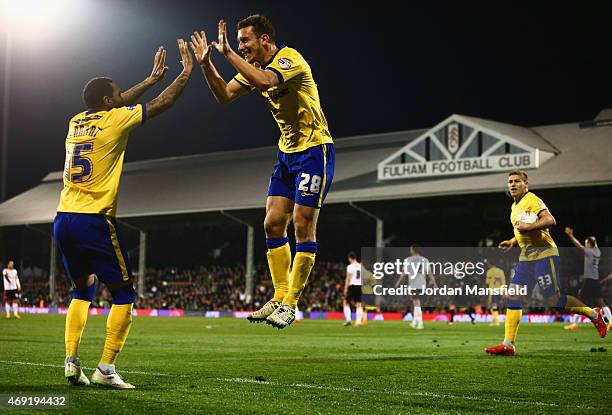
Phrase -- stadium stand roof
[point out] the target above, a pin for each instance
(239, 179)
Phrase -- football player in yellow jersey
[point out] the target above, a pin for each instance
(495, 279)
(303, 174)
(85, 229)
(538, 262)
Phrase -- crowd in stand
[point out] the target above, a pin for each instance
(202, 288)
(222, 288)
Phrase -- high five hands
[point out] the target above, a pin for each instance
(201, 49)
(185, 56)
(159, 66)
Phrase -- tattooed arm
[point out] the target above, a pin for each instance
(170, 95)
(157, 74)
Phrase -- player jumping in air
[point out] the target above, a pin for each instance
(85, 229)
(12, 289)
(538, 262)
(303, 173)
(590, 290)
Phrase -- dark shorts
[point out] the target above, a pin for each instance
(353, 294)
(91, 244)
(11, 295)
(544, 272)
(590, 290)
(305, 176)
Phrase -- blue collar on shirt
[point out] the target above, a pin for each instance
(275, 53)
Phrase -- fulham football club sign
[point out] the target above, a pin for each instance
(460, 146)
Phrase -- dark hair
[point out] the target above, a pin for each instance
(261, 25)
(416, 248)
(518, 173)
(95, 90)
(592, 240)
(352, 255)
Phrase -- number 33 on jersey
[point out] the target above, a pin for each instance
(95, 146)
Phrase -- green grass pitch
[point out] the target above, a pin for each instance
(188, 365)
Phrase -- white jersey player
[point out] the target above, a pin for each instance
(12, 289)
(418, 270)
(352, 291)
(590, 289)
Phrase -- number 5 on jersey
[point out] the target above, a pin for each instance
(78, 168)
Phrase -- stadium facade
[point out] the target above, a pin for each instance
(444, 185)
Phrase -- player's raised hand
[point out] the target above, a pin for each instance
(200, 47)
(159, 66)
(569, 231)
(185, 56)
(222, 45)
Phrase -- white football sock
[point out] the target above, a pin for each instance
(418, 314)
(359, 315)
(606, 311)
(8, 308)
(347, 313)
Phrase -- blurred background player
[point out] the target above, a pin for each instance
(538, 262)
(418, 267)
(305, 167)
(590, 289)
(352, 291)
(12, 289)
(85, 228)
(495, 279)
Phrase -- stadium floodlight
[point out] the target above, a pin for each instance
(31, 17)
(25, 19)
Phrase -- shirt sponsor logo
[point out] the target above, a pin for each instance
(277, 96)
(284, 63)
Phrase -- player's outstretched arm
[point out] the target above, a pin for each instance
(505, 246)
(570, 234)
(169, 95)
(223, 92)
(157, 74)
(260, 79)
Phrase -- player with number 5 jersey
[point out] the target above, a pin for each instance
(85, 229)
(303, 173)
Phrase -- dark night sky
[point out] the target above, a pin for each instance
(378, 70)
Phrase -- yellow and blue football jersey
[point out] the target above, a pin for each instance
(535, 244)
(495, 277)
(95, 147)
(294, 103)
